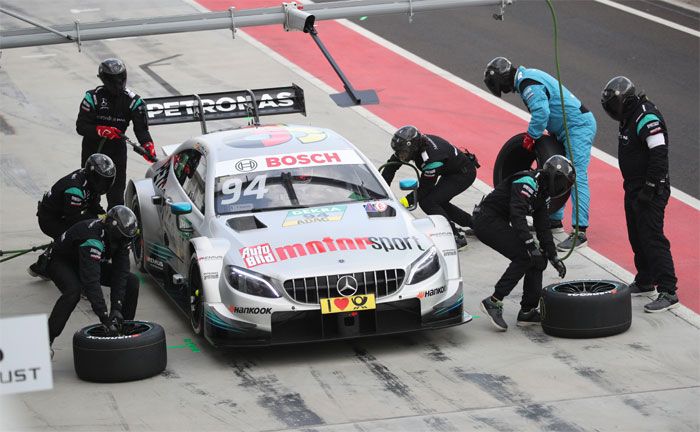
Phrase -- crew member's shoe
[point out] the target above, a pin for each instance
(663, 302)
(567, 244)
(39, 268)
(494, 309)
(529, 318)
(460, 241)
(556, 226)
(641, 289)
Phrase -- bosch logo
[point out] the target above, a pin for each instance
(246, 165)
(347, 286)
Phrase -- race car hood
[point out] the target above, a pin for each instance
(325, 240)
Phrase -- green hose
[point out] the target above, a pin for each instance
(566, 128)
(19, 252)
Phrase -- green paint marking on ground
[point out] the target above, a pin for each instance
(187, 344)
(362, 18)
(475, 316)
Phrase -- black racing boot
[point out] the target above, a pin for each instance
(40, 267)
(460, 241)
(663, 302)
(494, 309)
(641, 289)
(556, 226)
(529, 318)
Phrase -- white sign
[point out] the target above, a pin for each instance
(25, 361)
(287, 160)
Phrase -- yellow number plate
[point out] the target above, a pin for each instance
(348, 304)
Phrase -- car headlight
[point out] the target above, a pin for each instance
(250, 282)
(427, 265)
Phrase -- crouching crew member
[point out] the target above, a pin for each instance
(73, 198)
(643, 156)
(104, 115)
(445, 173)
(499, 222)
(79, 263)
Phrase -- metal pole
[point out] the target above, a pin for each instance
(222, 20)
(36, 23)
(336, 68)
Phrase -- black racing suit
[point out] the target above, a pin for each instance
(70, 200)
(644, 168)
(79, 262)
(102, 108)
(445, 173)
(499, 222)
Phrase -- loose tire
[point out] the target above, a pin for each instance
(513, 158)
(586, 309)
(139, 354)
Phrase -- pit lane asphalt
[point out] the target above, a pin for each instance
(463, 378)
(597, 42)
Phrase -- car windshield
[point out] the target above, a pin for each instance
(295, 188)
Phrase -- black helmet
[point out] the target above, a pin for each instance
(619, 95)
(406, 142)
(499, 76)
(112, 72)
(557, 176)
(100, 171)
(121, 223)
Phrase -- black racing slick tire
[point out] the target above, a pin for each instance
(586, 309)
(513, 158)
(139, 353)
(196, 295)
(138, 245)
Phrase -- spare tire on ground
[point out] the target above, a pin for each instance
(139, 353)
(586, 308)
(513, 158)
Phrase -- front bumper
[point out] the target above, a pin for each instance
(302, 326)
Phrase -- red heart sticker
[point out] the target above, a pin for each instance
(341, 303)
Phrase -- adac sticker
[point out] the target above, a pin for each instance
(315, 214)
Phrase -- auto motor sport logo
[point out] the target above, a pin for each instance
(265, 254)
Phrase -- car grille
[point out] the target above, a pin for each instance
(310, 290)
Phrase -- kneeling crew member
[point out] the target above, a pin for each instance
(445, 173)
(79, 263)
(73, 198)
(499, 222)
(643, 156)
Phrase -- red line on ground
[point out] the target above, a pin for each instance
(410, 94)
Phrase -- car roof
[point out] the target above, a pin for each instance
(271, 140)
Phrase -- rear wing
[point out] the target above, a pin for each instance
(225, 105)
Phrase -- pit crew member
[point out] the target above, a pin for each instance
(79, 262)
(73, 198)
(643, 155)
(540, 93)
(445, 173)
(499, 222)
(104, 115)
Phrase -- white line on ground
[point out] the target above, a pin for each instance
(596, 258)
(683, 5)
(77, 11)
(650, 17)
(39, 55)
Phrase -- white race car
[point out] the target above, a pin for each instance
(281, 234)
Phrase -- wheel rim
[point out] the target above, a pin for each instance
(195, 299)
(578, 287)
(129, 328)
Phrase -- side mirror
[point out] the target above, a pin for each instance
(410, 184)
(157, 200)
(179, 209)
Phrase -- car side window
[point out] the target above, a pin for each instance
(190, 169)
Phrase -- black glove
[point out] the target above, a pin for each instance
(116, 318)
(647, 193)
(536, 257)
(559, 265)
(109, 326)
